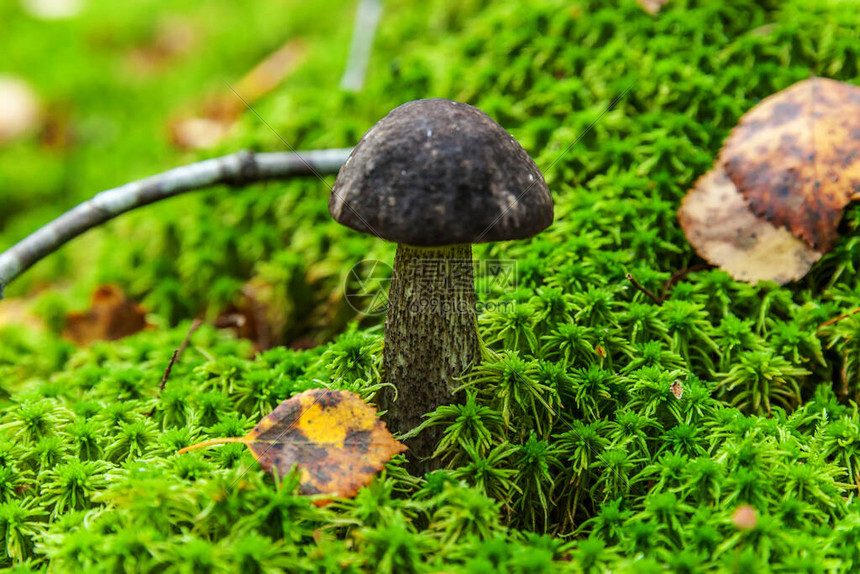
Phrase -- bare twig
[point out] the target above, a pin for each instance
(366, 19)
(240, 168)
(642, 288)
(676, 278)
(175, 357)
(843, 376)
(839, 318)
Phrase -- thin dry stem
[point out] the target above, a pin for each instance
(212, 442)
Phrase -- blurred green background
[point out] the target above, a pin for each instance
(114, 80)
(118, 84)
(111, 78)
(653, 481)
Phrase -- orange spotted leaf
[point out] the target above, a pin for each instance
(796, 158)
(334, 439)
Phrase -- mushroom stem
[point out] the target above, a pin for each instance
(431, 340)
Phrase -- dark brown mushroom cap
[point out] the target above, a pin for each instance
(436, 172)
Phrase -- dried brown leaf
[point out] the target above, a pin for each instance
(111, 317)
(270, 314)
(172, 38)
(196, 133)
(796, 157)
(720, 225)
(220, 113)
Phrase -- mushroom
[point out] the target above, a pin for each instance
(435, 176)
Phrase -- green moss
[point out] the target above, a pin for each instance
(570, 452)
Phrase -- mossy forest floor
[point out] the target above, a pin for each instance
(571, 452)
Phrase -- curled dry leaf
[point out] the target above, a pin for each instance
(268, 314)
(111, 317)
(796, 157)
(718, 222)
(333, 437)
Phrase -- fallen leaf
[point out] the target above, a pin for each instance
(304, 343)
(270, 313)
(652, 6)
(266, 76)
(718, 222)
(20, 112)
(333, 437)
(221, 113)
(172, 37)
(196, 133)
(796, 157)
(112, 316)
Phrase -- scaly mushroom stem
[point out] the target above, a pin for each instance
(430, 339)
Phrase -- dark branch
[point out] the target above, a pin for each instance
(667, 287)
(677, 276)
(643, 289)
(240, 168)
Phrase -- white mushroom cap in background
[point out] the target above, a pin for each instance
(52, 9)
(20, 111)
